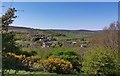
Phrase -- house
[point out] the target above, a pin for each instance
(46, 44)
(38, 37)
(84, 45)
(71, 42)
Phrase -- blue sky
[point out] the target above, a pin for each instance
(61, 0)
(65, 15)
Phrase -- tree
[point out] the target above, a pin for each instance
(108, 37)
(8, 37)
(99, 62)
(7, 19)
(15, 59)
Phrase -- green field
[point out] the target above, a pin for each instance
(23, 38)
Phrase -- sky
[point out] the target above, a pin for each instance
(64, 15)
(61, 0)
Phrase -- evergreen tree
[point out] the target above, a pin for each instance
(8, 39)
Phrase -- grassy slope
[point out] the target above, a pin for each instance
(73, 35)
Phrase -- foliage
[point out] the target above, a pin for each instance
(58, 34)
(11, 60)
(8, 43)
(71, 56)
(19, 62)
(8, 18)
(8, 38)
(108, 37)
(30, 53)
(56, 65)
(99, 61)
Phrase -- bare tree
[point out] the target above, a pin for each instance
(108, 37)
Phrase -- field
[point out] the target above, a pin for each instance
(30, 40)
(24, 38)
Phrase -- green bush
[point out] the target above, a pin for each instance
(70, 56)
(99, 61)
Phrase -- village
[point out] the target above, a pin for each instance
(50, 41)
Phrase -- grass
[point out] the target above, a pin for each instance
(25, 72)
(28, 73)
(43, 52)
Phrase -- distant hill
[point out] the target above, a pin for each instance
(73, 30)
(16, 28)
(19, 28)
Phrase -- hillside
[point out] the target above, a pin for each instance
(52, 30)
(36, 39)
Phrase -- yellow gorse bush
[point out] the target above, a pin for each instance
(22, 60)
(23, 56)
(16, 56)
(57, 65)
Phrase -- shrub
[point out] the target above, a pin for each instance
(70, 56)
(19, 62)
(99, 61)
(57, 65)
